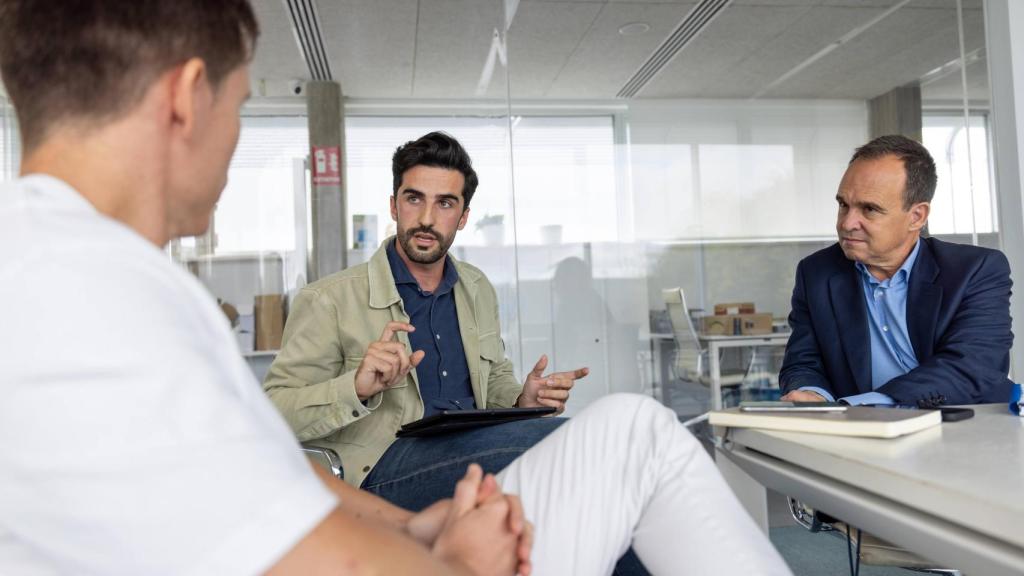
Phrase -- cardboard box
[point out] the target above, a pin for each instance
(734, 308)
(737, 324)
(269, 312)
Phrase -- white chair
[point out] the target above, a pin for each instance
(691, 358)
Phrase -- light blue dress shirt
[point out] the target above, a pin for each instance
(892, 354)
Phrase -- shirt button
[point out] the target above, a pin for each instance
(366, 468)
(355, 413)
(438, 336)
(444, 373)
(885, 328)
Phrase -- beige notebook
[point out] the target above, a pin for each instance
(864, 421)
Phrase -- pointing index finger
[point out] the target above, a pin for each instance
(393, 328)
(574, 374)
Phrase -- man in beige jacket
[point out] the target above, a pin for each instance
(409, 333)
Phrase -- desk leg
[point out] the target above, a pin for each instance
(666, 349)
(751, 494)
(715, 368)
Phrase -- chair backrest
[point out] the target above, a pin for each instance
(689, 355)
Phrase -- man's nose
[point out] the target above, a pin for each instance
(427, 215)
(849, 221)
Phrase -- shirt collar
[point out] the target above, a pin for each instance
(902, 276)
(57, 190)
(402, 274)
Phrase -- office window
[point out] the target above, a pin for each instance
(964, 198)
(564, 179)
(372, 140)
(10, 145)
(256, 212)
(564, 175)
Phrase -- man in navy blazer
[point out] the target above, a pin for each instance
(885, 316)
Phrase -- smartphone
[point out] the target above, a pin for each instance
(781, 406)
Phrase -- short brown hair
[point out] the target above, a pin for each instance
(917, 164)
(93, 60)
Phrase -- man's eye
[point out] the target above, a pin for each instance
(446, 204)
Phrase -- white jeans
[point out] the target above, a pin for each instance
(624, 471)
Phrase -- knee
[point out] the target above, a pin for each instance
(623, 404)
(631, 411)
(638, 417)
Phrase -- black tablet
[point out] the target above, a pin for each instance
(455, 420)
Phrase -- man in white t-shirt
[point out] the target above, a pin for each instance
(135, 441)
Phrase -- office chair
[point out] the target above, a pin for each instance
(871, 551)
(690, 358)
(327, 458)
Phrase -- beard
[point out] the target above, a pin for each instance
(418, 255)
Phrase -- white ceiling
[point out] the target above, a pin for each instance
(571, 49)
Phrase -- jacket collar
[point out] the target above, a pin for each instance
(851, 313)
(924, 297)
(384, 293)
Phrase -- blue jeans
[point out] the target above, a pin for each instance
(416, 472)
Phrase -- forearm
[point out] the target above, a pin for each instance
(318, 409)
(344, 544)
(363, 505)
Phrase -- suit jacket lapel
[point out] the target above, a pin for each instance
(851, 315)
(924, 297)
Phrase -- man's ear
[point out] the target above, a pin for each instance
(191, 96)
(394, 207)
(464, 219)
(919, 215)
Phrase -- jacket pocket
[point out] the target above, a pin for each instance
(491, 352)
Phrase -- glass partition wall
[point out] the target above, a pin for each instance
(732, 124)
(625, 149)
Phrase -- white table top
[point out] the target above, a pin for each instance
(969, 472)
(773, 337)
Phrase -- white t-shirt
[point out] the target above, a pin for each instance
(133, 437)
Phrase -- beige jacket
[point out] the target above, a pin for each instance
(332, 323)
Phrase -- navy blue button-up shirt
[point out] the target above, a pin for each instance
(443, 373)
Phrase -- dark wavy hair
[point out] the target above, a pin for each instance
(439, 150)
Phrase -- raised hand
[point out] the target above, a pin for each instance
(386, 363)
(551, 390)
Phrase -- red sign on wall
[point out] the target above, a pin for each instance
(326, 165)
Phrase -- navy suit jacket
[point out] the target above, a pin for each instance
(958, 319)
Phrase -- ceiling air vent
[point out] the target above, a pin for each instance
(306, 25)
(698, 19)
